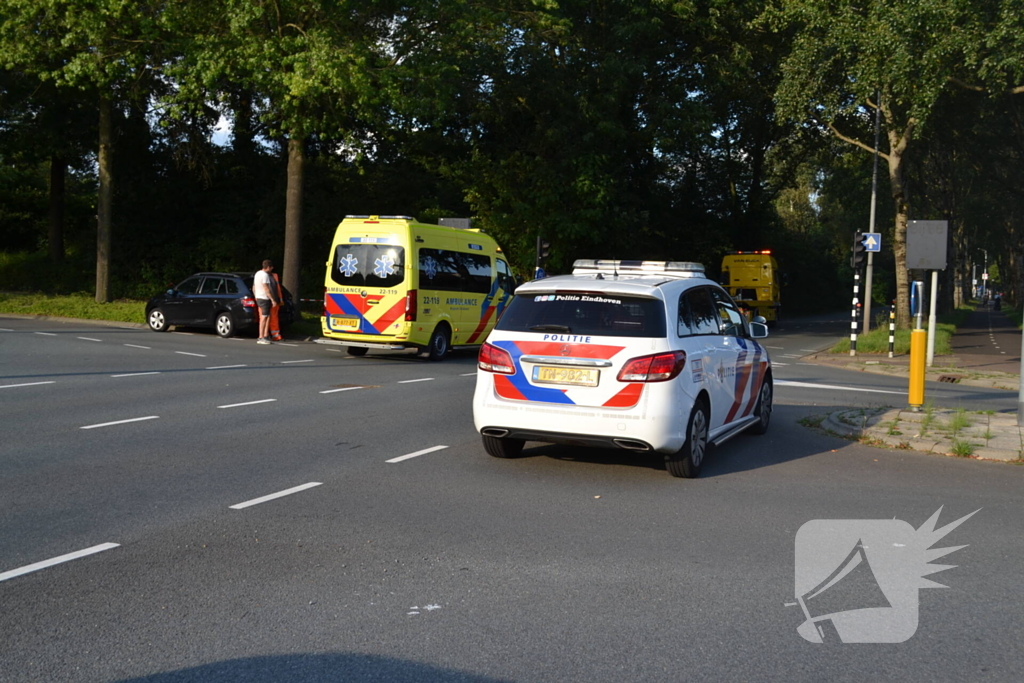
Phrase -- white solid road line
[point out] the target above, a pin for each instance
(30, 384)
(410, 381)
(121, 422)
(250, 403)
(334, 391)
(186, 353)
(136, 374)
(297, 361)
(416, 454)
(272, 496)
(136, 346)
(29, 568)
(90, 339)
(225, 367)
(47, 334)
(809, 385)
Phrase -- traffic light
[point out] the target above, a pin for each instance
(859, 251)
(543, 251)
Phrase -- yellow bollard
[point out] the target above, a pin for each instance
(918, 342)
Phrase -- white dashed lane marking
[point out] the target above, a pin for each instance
(136, 374)
(29, 568)
(136, 346)
(186, 353)
(4, 329)
(29, 384)
(225, 367)
(468, 374)
(121, 422)
(334, 391)
(248, 403)
(272, 496)
(285, 362)
(416, 454)
(410, 381)
(47, 334)
(90, 339)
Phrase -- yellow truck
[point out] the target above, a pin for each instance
(752, 278)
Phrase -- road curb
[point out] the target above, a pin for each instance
(75, 321)
(903, 429)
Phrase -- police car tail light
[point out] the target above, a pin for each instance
(410, 306)
(658, 367)
(493, 359)
(248, 302)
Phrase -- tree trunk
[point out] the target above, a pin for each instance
(293, 215)
(899, 199)
(103, 208)
(58, 168)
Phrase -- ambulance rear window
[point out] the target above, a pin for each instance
(610, 315)
(368, 265)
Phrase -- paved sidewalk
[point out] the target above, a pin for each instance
(986, 353)
(945, 432)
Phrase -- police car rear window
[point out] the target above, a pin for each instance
(609, 315)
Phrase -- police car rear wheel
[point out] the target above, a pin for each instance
(503, 448)
(763, 409)
(687, 462)
(437, 349)
(157, 321)
(224, 325)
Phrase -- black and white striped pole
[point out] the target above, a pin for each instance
(892, 328)
(853, 313)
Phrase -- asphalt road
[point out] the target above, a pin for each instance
(564, 565)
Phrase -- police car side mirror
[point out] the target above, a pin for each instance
(758, 330)
(759, 319)
(170, 292)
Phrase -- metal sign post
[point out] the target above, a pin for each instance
(872, 243)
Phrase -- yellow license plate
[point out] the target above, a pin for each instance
(350, 323)
(546, 374)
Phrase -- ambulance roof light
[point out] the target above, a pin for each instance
(625, 267)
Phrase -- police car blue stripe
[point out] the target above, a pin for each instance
(522, 384)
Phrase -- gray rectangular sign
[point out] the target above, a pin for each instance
(926, 245)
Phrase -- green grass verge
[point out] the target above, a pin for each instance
(877, 340)
(84, 306)
(73, 306)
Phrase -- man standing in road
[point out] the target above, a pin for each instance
(266, 298)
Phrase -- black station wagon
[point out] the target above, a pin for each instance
(222, 301)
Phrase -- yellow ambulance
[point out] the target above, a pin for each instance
(395, 283)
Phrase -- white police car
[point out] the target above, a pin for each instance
(639, 355)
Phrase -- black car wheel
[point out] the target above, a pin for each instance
(437, 349)
(503, 448)
(763, 409)
(157, 321)
(687, 462)
(224, 325)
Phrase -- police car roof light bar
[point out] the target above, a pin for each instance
(634, 268)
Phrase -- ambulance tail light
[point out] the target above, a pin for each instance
(658, 367)
(248, 302)
(493, 359)
(410, 306)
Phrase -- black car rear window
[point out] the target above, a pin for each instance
(610, 315)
